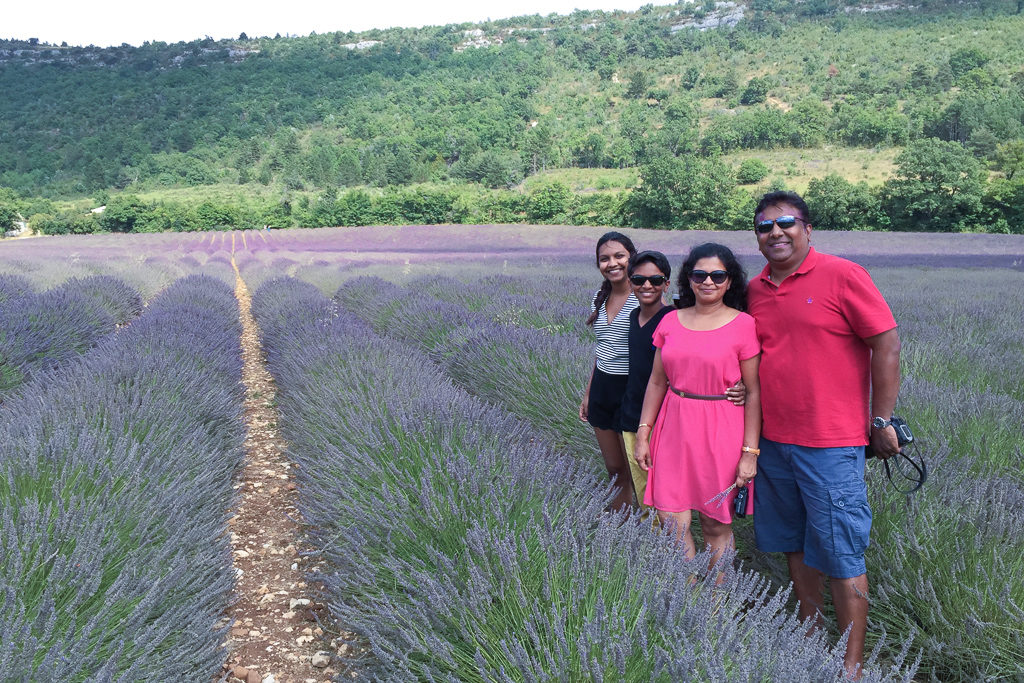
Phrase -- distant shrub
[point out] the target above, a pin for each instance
(548, 202)
(68, 224)
(837, 204)
(756, 90)
(751, 171)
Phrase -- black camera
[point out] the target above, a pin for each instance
(739, 504)
(903, 435)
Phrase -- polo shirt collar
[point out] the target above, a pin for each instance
(808, 264)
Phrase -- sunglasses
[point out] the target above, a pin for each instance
(717, 276)
(655, 280)
(765, 227)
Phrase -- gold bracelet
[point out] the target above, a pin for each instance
(748, 449)
(643, 424)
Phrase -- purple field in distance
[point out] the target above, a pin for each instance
(150, 262)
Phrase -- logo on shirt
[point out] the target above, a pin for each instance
(810, 300)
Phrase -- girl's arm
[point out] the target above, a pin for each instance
(747, 468)
(585, 403)
(657, 386)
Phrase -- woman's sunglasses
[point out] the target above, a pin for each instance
(655, 280)
(717, 276)
(764, 227)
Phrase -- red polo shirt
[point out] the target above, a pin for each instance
(815, 367)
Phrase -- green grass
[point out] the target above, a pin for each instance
(797, 167)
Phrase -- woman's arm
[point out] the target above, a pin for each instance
(747, 468)
(657, 386)
(585, 403)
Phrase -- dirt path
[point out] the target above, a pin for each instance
(275, 637)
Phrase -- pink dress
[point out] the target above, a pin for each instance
(695, 444)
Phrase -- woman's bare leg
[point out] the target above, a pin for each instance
(679, 524)
(718, 536)
(614, 453)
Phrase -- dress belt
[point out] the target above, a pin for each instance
(699, 397)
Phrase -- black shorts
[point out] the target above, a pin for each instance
(605, 399)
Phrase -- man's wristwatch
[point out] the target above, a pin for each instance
(880, 423)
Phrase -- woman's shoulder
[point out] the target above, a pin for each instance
(744, 324)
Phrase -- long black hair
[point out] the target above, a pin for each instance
(735, 297)
(606, 287)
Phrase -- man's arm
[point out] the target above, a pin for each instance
(885, 386)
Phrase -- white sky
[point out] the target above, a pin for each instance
(112, 22)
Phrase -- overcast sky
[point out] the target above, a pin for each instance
(112, 22)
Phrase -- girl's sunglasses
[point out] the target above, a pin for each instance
(655, 280)
(764, 227)
(717, 276)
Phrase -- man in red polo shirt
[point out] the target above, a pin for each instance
(829, 349)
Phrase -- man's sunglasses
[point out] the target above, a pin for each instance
(765, 227)
(655, 280)
(717, 276)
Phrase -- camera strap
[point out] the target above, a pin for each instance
(921, 469)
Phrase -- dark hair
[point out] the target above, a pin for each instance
(784, 197)
(735, 297)
(606, 287)
(659, 260)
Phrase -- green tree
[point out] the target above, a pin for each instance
(8, 214)
(1003, 205)
(937, 187)
(548, 202)
(837, 204)
(751, 171)
(122, 213)
(639, 85)
(679, 132)
(810, 119)
(590, 153)
(681, 192)
(756, 91)
(1009, 158)
(966, 59)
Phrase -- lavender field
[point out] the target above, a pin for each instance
(428, 379)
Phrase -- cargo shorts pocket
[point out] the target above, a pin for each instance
(851, 518)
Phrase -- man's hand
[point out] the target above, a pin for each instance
(884, 443)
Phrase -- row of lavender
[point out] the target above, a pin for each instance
(463, 547)
(41, 331)
(929, 578)
(115, 481)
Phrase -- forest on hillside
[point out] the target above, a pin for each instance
(443, 124)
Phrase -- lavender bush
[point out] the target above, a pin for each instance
(523, 371)
(529, 372)
(39, 332)
(462, 547)
(112, 294)
(491, 297)
(12, 287)
(114, 564)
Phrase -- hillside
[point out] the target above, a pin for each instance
(490, 104)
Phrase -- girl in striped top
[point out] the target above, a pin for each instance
(609, 316)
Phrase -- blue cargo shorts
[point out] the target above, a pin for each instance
(813, 500)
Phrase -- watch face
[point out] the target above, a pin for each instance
(880, 423)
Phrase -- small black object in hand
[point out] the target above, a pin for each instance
(903, 435)
(918, 472)
(739, 504)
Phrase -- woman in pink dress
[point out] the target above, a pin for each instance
(694, 444)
